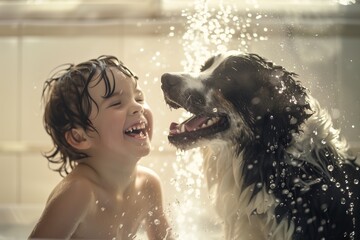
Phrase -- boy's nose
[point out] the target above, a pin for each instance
(137, 108)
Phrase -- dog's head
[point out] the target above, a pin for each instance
(236, 96)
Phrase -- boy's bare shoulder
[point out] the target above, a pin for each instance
(77, 189)
(66, 207)
(149, 178)
(145, 172)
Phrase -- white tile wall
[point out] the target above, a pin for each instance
(9, 93)
(36, 180)
(9, 124)
(9, 179)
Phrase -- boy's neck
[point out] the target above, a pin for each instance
(112, 178)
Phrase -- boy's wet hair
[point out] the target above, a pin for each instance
(68, 104)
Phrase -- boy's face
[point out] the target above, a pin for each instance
(123, 121)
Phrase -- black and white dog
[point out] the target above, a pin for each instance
(278, 168)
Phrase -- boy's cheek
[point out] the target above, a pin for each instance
(149, 117)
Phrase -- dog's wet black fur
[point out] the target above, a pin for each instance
(279, 132)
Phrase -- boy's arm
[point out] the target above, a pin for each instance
(64, 210)
(156, 222)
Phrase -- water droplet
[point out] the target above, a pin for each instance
(156, 221)
(293, 120)
(285, 191)
(255, 101)
(356, 181)
(343, 201)
(330, 168)
(324, 187)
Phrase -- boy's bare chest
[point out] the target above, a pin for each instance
(115, 219)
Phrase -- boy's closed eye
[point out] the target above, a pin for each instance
(140, 100)
(115, 104)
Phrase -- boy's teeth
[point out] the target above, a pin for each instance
(136, 127)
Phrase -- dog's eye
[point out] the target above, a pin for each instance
(207, 64)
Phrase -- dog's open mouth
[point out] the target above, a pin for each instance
(206, 123)
(197, 127)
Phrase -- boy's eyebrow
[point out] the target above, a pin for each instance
(115, 94)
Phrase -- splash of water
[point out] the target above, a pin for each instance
(209, 30)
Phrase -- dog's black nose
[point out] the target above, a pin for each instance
(170, 80)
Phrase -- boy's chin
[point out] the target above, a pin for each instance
(145, 148)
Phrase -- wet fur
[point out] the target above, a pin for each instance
(281, 170)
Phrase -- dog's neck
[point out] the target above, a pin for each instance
(235, 204)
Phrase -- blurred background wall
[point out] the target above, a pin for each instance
(320, 40)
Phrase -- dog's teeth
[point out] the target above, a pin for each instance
(182, 129)
(210, 122)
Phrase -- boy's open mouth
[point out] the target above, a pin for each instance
(138, 130)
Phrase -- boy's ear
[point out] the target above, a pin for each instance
(77, 139)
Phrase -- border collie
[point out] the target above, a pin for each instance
(273, 160)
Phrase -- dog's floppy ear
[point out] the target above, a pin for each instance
(289, 109)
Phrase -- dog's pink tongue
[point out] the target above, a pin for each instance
(174, 126)
(190, 125)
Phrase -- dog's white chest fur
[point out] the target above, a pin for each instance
(244, 217)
